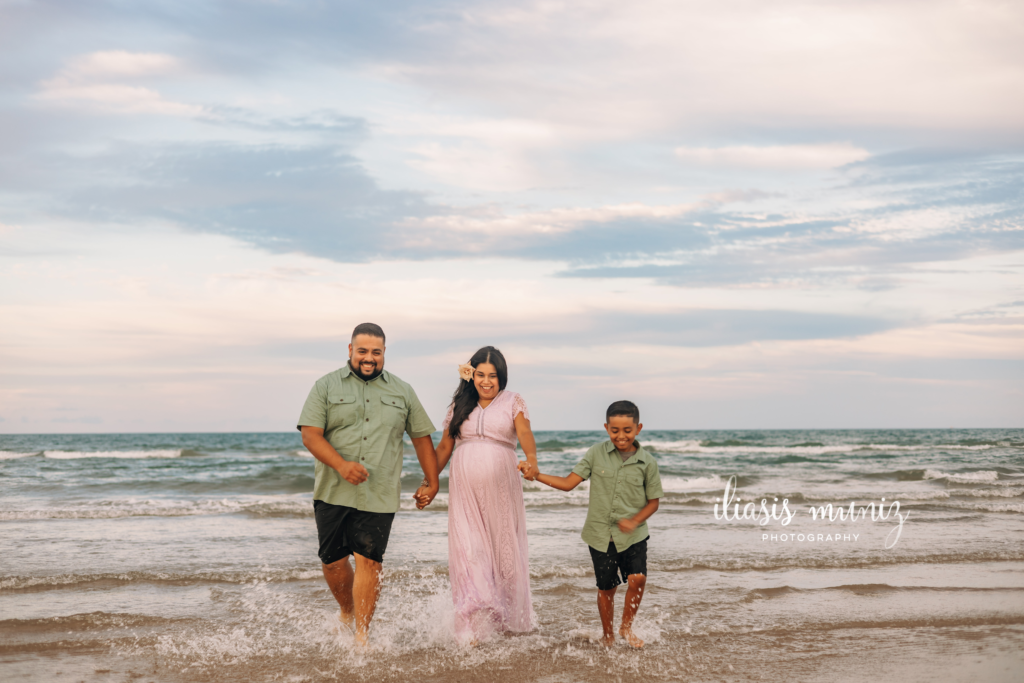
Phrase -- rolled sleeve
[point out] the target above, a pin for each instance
(417, 423)
(314, 411)
(585, 466)
(652, 481)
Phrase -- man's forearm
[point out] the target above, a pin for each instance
(425, 453)
(321, 449)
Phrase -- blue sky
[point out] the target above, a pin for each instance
(738, 214)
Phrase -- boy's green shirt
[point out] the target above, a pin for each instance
(617, 489)
(364, 421)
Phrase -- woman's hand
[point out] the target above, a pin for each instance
(424, 496)
(528, 469)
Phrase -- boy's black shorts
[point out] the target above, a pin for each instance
(344, 530)
(607, 566)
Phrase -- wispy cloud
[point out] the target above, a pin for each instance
(774, 156)
(89, 81)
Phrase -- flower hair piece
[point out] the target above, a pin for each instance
(466, 372)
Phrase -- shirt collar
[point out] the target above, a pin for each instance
(641, 455)
(346, 370)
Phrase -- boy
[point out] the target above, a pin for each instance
(624, 491)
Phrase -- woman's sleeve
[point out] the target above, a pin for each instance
(447, 419)
(519, 406)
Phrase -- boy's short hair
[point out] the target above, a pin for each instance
(623, 408)
(368, 328)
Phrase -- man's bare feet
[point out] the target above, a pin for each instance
(631, 638)
(347, 620)
(608, 639)
(362, 639)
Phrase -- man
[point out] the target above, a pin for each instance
(352, 423)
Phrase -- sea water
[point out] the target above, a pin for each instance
(192, 557)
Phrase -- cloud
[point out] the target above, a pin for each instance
(85, 82)
(703, 328)
(120, 63)
(317, 201)
(775, 157)
(113, 98)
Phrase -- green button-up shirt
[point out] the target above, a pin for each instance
(364, 421)
(617, 489)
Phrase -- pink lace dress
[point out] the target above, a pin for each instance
(487, 554)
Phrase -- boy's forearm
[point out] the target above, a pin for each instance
(646, 511)
(560, 483)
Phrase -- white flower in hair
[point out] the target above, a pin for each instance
(466, 371)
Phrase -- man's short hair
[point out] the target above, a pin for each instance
(623, 408)
(369, 328)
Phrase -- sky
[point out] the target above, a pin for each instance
(738, 214)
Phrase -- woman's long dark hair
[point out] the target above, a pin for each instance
(466, 396)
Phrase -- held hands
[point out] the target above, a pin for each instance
(528, 470)
(627, 526)
(424, 496)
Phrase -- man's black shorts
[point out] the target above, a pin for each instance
(607, 566)
(344, 530)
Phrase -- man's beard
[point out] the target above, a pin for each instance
(365, 378)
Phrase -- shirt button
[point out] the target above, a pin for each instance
(367, 419)
(364, 438)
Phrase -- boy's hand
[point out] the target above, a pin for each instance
(627, 526)
(529, 471)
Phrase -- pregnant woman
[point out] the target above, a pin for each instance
(487, 554)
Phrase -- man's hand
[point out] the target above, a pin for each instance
(528, 470)
(628, 526)
(424, 496)
(353, 472)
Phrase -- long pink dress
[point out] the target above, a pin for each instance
(487, 553)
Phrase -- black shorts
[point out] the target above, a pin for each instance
(607, 566)
(344, 530)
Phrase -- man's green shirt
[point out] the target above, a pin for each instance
(364, 421)
(617, 489)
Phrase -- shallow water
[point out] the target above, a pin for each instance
(193, 557)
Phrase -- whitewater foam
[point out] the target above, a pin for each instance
(10, 455)
(963, 478)
(130, 455)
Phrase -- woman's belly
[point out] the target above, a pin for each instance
(481, 464)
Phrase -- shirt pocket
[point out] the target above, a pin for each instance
(635, 478)
(633, 493)
(341, 411)
(393, 412)
(602, 481)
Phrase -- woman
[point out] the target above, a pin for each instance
(487, 553)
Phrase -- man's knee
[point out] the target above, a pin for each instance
(342, 566)
(637, 580)
(366, 564)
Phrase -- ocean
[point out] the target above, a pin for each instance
(192, 557)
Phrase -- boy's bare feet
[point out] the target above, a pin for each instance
(631, 638)
(608, 639)
(362, 639)
(347, 620)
